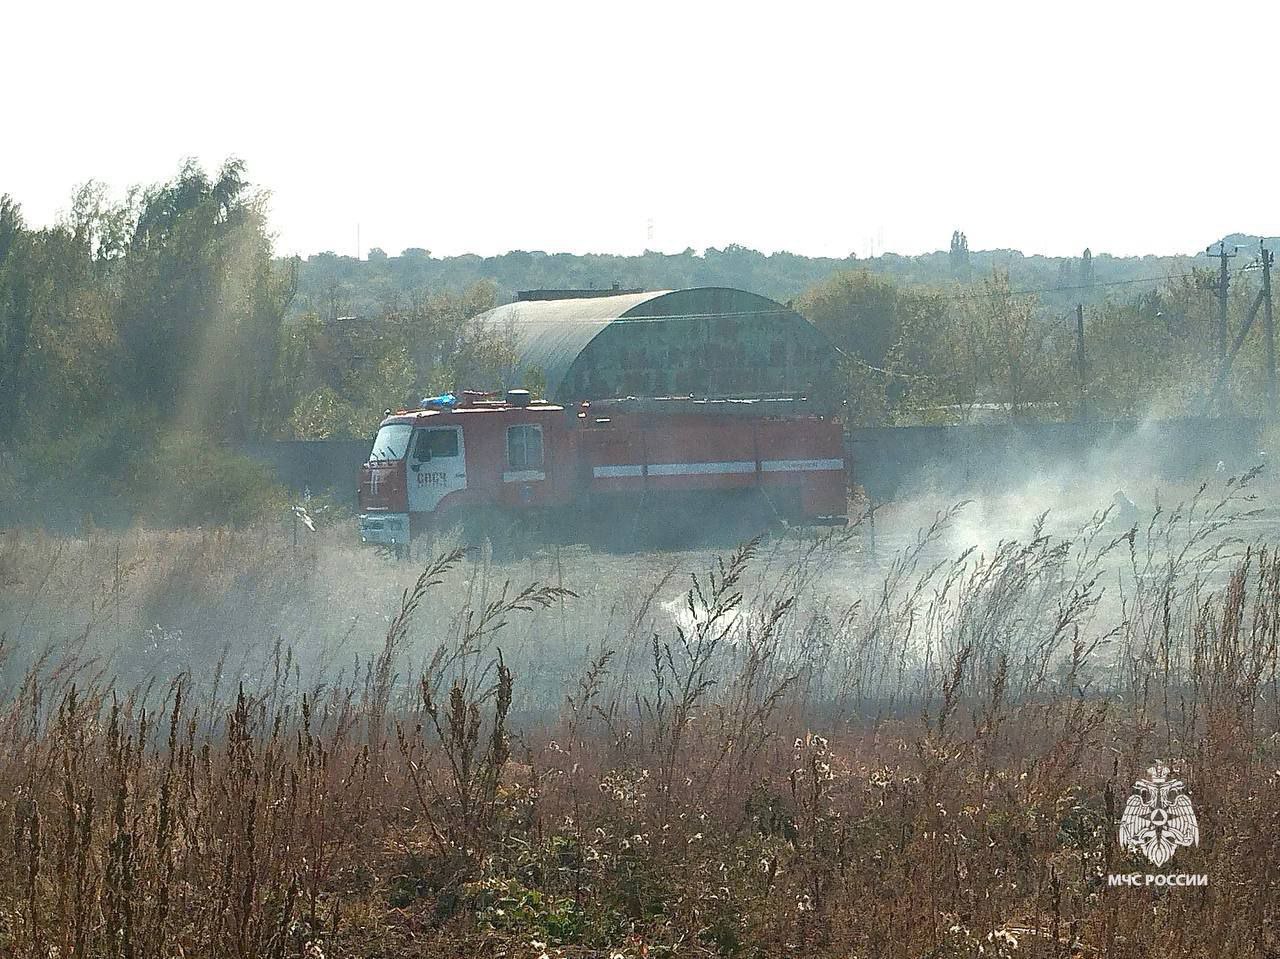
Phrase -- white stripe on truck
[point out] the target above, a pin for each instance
(797, 466)
(700, 469)
(707, 469)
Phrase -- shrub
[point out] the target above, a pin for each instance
(186, 480)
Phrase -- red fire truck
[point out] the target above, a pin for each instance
(459, 457)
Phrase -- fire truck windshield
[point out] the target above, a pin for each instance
(391, 442)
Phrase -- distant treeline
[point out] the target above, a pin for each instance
(330, 285)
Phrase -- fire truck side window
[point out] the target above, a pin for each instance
(434, 444)
(524, 447)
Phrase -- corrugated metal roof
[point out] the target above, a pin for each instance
(709, 341)
(551, 333)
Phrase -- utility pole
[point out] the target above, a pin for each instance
(1225, 370)
(1081, 362)
(1224, 280)
(1269, 328)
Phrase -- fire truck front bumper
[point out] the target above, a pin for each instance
(384, 529)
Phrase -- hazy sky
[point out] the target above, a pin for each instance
(816, 128)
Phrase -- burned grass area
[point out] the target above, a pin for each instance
(226, 744)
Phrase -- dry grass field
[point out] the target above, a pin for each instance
(218, 744)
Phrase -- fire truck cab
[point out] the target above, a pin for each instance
(456, 453)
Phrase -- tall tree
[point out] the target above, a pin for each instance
(959, 256)
(202, 303)
(899, 343)
(15, 313)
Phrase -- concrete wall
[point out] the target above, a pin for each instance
(897, 461)
(323, 466)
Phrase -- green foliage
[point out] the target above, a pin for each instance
(1008, 352)
(56, 337)
(129, 321)
(1156, 353)
(202, 305)
(535, 381)
(510, 905)
(348, 370)
(322, 414)
(169, 302)
(928, 338)
(901, 346)
(913, 354)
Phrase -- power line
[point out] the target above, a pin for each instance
(973, 295)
